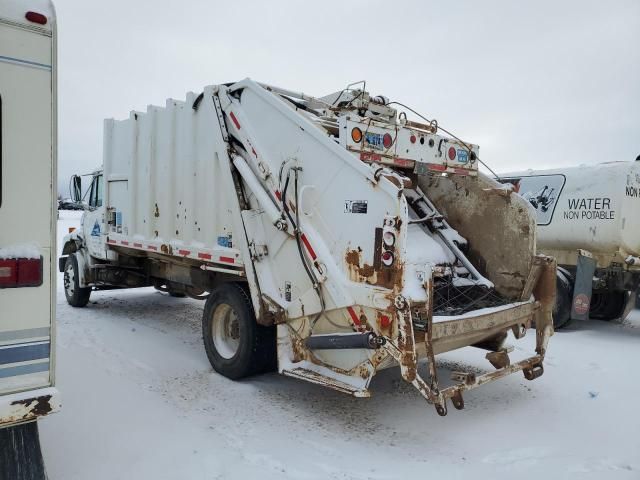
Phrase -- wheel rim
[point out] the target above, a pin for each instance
(225, 331)
(69, 280)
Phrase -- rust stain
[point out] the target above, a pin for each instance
(35, 407)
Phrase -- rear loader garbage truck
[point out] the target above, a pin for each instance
(587, 219)
(331, 237)
(28, 116)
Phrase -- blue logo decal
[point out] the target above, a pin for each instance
(374, 140)
(223, 241)
(96, 230)
(463, 156)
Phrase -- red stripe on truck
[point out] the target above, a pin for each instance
(235, 120)
(308, 245)
(124, 242)
(184, 252)
(137, 245)
(354, 315)
(152, 247)
(227, 259)
(204, 256)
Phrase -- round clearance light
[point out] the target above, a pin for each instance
(389, 239)
(387, 141)
(412, 139)
(387, 259)
(452, 153)
(356, 135)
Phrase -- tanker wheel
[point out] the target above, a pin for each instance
(76, 295)
(608, 305)
(564, 296)
(235, 344)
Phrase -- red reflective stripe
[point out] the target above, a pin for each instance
(403, 162)
(353, 315)
(184, 252)
(152, 247)
(374, 157)
(227, 259)
(235, 120)
(308, 245)
(137, 245)
(110, 241)
(204, 256)
(124, 242)
(436, 167)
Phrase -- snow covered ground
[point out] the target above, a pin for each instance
(142, 402)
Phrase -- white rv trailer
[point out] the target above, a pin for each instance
(324, 230)
(587, 220)
(27, 226)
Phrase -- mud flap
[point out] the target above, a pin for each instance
(583, 286)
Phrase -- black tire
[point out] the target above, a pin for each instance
(175, 294)
(76, 296)
(608, 305)
(240, 347)
(20, 455)
(564, 296)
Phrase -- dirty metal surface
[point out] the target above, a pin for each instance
(26, 406)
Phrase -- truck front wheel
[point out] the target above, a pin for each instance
(77, 296)
(235, 344)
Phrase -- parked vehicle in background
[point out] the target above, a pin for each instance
(331, 236)
(587, 219)
(27, 237)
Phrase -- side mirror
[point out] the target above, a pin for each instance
(76, 189)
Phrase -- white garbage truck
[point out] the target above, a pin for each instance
(587, 220)
(27, 232)
(330, 236)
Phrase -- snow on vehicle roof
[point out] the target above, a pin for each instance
(15, 11)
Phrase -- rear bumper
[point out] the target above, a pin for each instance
(29, 405)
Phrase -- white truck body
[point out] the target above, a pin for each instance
(317, 205)
(27, 211)
(589, 213)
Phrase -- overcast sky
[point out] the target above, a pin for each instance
(535, 84)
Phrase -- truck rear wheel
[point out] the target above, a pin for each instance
(77, 296)
(562, 307)
(235, 344)
(608, 305)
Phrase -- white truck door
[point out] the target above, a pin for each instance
(93, 228)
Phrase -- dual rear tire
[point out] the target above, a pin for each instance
(236, 345)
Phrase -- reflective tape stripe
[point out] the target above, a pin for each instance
(24, 352)
(24, 369)
(22, 334)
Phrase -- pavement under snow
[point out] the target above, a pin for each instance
(140, 401)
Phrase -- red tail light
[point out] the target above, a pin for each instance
(36, 17)
(387, 259)
(387, 140)
(452, 153)
(21, 272)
